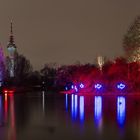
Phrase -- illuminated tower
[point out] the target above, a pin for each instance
(131, 42)
(11, 47)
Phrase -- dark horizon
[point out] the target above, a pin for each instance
(67, 31)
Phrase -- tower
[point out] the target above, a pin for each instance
(11, 47)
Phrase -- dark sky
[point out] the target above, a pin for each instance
(65, 31)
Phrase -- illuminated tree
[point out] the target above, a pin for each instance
(131, 42)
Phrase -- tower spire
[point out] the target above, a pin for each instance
(11, 42)
(11, 27)
(11, 47)
(11, 33)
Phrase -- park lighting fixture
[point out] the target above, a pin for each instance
(76, 89)
(66, 88)
(82, 85)
(121, 86)
(72, 87)
(98, 86)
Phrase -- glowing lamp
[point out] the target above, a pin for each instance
(98, 86)
(121, 86)
(5, 91)
(81, 85)
(72, 87)
(76, 89)
(66, 88)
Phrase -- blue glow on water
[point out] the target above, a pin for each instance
(66, 102)
(72, 105)
(121, 110)
(98, 110)
(81, 108)
(75, 106)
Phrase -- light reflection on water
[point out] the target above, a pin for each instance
(74, 107)
(5, 108)
(121, 110)
(43, 101)
(66, 102)
(81, 108)
(42, 115)
(98, 110)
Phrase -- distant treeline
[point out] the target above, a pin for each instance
(53, 77)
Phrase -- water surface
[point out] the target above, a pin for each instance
(45, 115)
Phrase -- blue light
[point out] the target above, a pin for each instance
(66, 88)
(98, 86)
(121, 110)
(98, 110)
(82, 85)
(72, 87)
(81, 108)
(74, 106)
(66, 102)
(121, 86)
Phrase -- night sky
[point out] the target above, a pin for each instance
(66, 31)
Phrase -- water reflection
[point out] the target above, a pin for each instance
(74, 106)
(5, 108)
(98, 110)
(12, 129)
(77, 102)
(43, 101)
(81, 108)
(66, 102)
(121, 110)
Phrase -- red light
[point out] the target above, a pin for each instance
(5, 91)
(11, 91)
(8, 91)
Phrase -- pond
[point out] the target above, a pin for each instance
(48, 115)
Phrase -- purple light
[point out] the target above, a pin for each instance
(98, 86)
(121, 86)
(82, 85)
(76, 89)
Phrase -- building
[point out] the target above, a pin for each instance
(12, 49)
